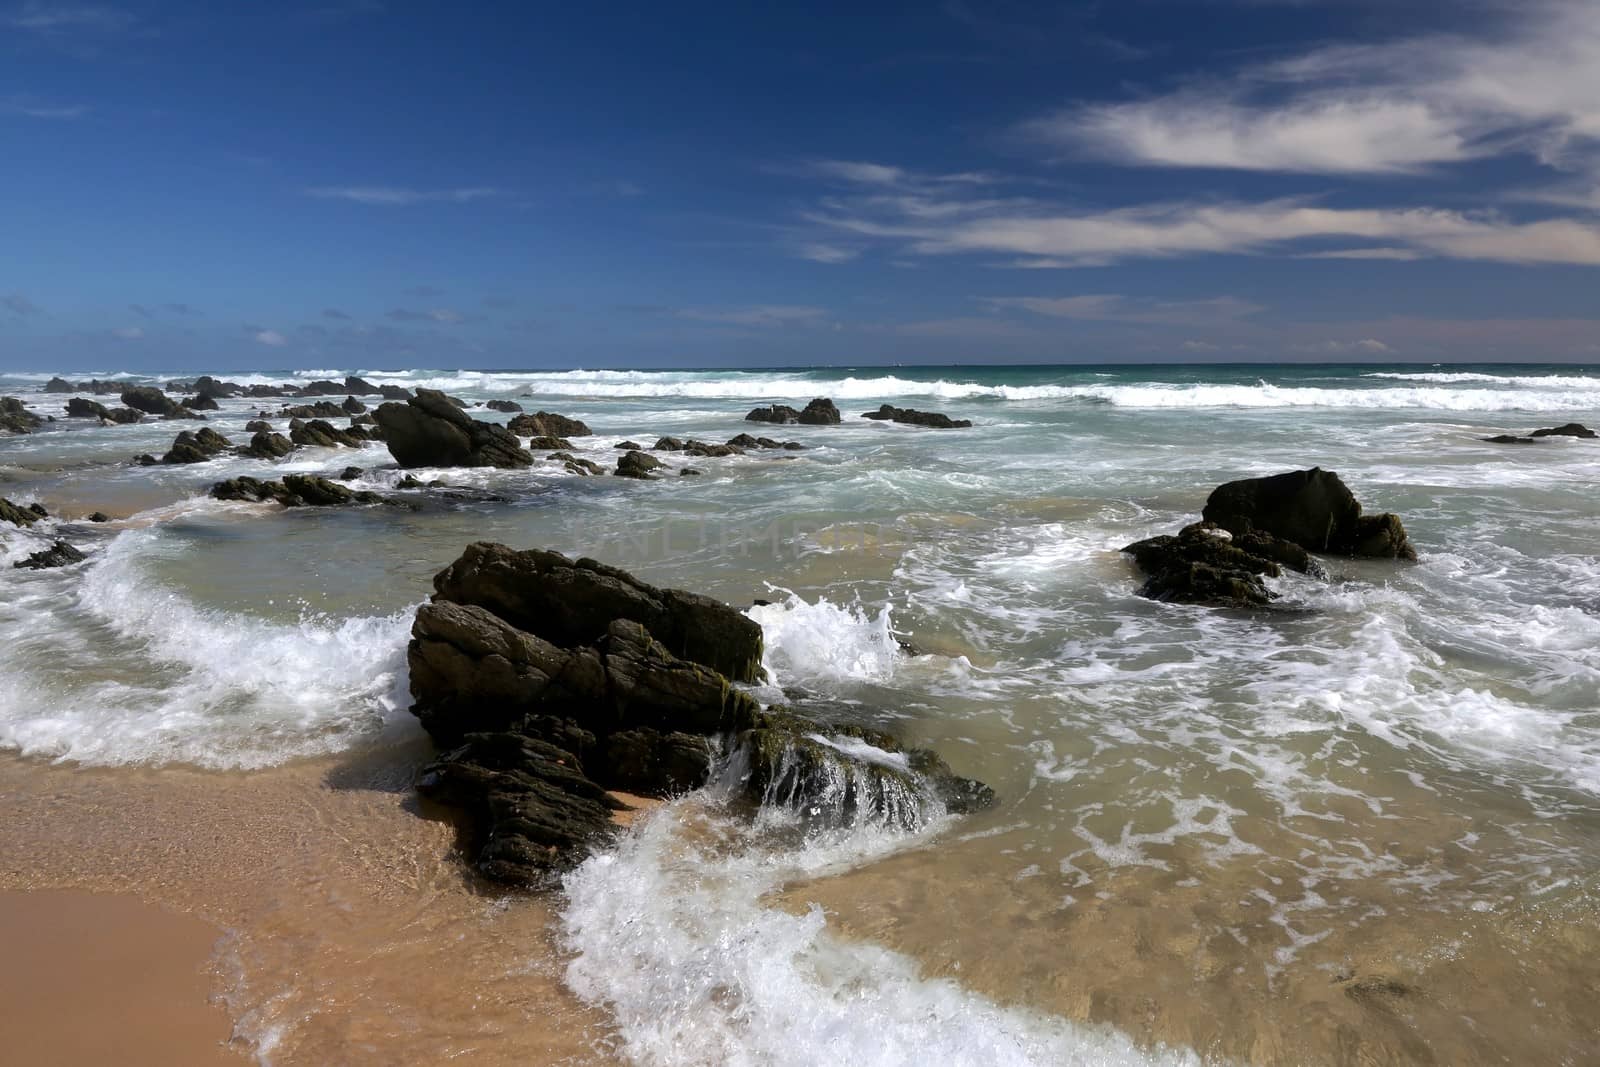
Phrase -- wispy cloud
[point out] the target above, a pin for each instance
(1529, 82)
(38, 16)
(1111, 307)
(1366, 346)
(445, 315)
(270, 338)
(18, 304)
(758, 315)
(400, 196)
(33, 108)
(334, 313)
(128, 333)
(819, 252)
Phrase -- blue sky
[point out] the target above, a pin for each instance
(380, 184)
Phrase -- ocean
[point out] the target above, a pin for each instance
(1360, 826)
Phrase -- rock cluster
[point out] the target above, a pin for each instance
(21, 516)
(1571, 429)
(59, 554)
(15, 418)
(79, 408)
(936, 420)
(547, 682)
(294, 491)
(196, 447)
(430, 431)
(820, 412)
(1255, 527)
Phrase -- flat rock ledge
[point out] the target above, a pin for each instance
(1254, 528)
(547, 683)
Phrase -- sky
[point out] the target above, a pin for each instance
(379, 184)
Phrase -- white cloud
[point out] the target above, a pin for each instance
(1377, 252)
(398, 196)
(270, 338)
(1367, 345)
(1530, 82)
(818, 252)
(758, 315)
(49, 18)
(1110, 307)
(28, 107)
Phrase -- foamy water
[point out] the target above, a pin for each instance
(1399, 769)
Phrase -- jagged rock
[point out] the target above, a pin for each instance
(636, 465)
(572, 602)
(16, 418)
(577, 465)
(1571, 429)
(59, 554)
(351, 386)
(320, 434)
(295, 490)
(322, 409)
(352, 406)
(429, 431)
(504, 405)
(779, 413)
(199, 402)
(267, 445)
(667, 444)
(152, 401)
(911, 416)
(696, 448)
(59, 384)
(544, 444)
(394, 392)
(79, 408)
(196, 447)
(629, 446)
(1203, 565)
(17, 516)
(262, 392)
(1312, 508)
(258, 426)
(547, 424)
(820, 412)
(208, 387)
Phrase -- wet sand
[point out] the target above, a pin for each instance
(349, 931)
(100, 978)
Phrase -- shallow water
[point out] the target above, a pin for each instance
(1362, 828)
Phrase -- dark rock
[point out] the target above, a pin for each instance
(295, 490)
(394, 392)
(1571, 429)
(59, 554)
(60, 385)
(322, 409)
(1202, 565)
(350, 474)
(573, 602)
(17, 516)
(200, 402)
(258, 426)
(260, 392)
(667, 444)
(79, 408)
(547, 424)
(99, 516)
(152, 401)
(689, 472)
(779, 413)
(429, 431)
(1510, 439)
(209, 388)
(267, 445)
(320, 434)
(577, 465)
(636, 465)
(1312, 508)
(504, 405)
(744, 440)
(629, 446)
(196, 447)
(548, 444)
(820, 412)
(352, 406)
(146, 460)
(15, 417)
(913, 417)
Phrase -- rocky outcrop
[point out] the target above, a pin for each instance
(744, 440)
(1571, 429)
(576, 465)
(510, 406)
(94, 385)
(637, 465)
(322, 409)
(352, 406)
(1312, 508)
(294, 491)
(820, 412)
(321, 434)
(199, 402)
(79, 408)
(20, 516)
(696, 448)
(547, 682)
(152, 401)
(546, 444)
(16, 418)
(59, 554)
(429, 431)
(912, 417)
(547, 424)
(196, 447)
(267, 445)
(1254, 528)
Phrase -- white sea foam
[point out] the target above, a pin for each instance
(107, 667)
(825, 644)
(672, 937)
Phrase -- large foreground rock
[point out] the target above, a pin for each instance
(547, 682)
(1312, 508)
(430, 431)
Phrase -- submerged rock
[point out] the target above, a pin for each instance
(16, 418)
(430, 431)
(1312, 508)
(547, 681)
(267, 445)
(1204, 564)
(504, 405)
(294, 491)
(196, 446)
(59, 554)
(911, 416)
(637, 465)
(547, 424)
(1510, 439)
(820, 412)
(577, 465)
(1571, 429)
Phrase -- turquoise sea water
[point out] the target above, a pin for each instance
(1360, 827)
